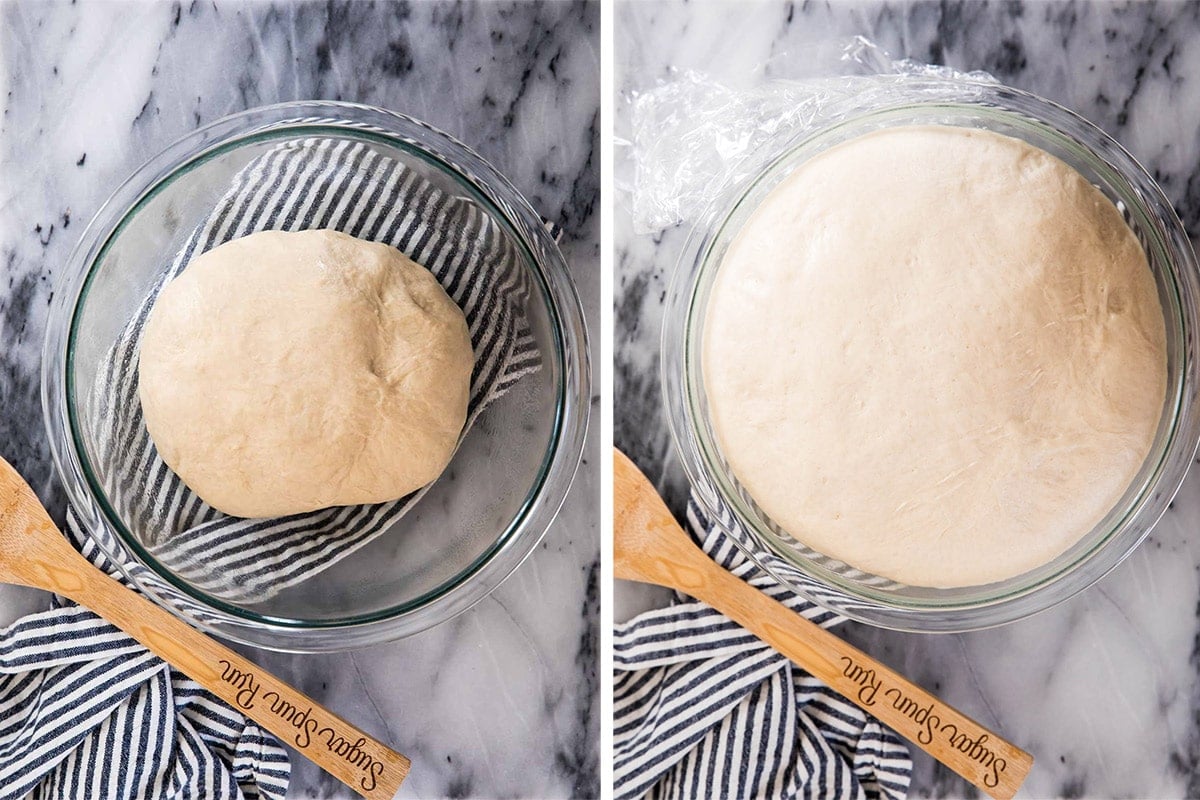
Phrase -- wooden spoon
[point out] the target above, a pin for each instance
(650, 547)
(34, 553)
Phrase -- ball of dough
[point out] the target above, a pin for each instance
(285, 372)
(936, 354)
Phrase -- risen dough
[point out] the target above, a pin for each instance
(936, 354)
(286, 372)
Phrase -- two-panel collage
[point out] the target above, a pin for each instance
(599, 399)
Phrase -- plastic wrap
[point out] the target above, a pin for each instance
(692, 134)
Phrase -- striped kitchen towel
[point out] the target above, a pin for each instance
(87, 712)
(704, 709)
(316, 183)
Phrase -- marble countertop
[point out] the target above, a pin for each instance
(502, 700)
(1102, 689)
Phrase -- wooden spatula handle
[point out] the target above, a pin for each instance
(365, 765)
(649, 546)
(977, 754)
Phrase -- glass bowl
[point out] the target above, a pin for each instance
(831, 583)
(472, 528)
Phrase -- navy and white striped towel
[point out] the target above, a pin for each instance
(704, 709)
(87, 712)
(316, 183)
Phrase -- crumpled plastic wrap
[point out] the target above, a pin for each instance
(692, 134)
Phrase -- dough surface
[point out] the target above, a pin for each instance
(286, 372)
(936, 354)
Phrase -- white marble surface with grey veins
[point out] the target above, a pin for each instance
(1104, 690)
(501, 701)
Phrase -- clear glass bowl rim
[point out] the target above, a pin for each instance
(551, 278)
(711, 489)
